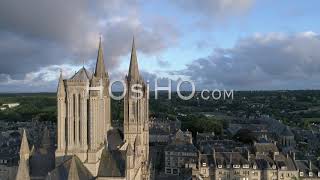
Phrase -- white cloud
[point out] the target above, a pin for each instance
(215, 8)
(46, 33)
(263, 61)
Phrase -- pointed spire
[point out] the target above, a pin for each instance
(100, 70)
(73, 171)
(23, 170)
(61, 88)
(33, 149)
(24, 148)
(137, 141)
(129, 150)
(45, 142)
(133, 68)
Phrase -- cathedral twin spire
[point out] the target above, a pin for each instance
(100, 70)
(133, 68)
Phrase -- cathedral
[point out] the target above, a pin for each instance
(88, 146)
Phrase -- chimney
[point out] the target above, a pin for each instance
(214, 156)
(310, 165)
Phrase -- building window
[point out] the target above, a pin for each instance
(310, 174)
(301, 174)
(236, 166)
(168, 171)
(175, 171)
(246, 173)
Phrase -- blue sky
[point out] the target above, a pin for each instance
(285, 16)
(243, 44)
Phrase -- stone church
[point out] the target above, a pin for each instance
(88, 146)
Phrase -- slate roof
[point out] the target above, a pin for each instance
(42, 159)
(265, 147)
(287, 132)
(73, 166)
(264, 162)
(158, 131)
(207, 159)
(282, 162)
(230, 158)
(112, 163)
(181, 148)
(304, 166)
(81, 75)
(286, 162)
(41, 162)
(115, 139)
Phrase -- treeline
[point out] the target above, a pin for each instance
(32, 106)
(200, 123)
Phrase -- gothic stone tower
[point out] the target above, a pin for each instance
(83, 115)
(136, 113)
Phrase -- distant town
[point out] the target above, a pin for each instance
(257, 135)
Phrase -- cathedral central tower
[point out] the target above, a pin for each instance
(83, 113)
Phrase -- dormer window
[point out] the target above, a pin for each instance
(236, 166)
(283, 167)
(301, 174)
(310, 174)
(246, 166)
(274, 166)
(254, 166)
(219, 166)
(204, 164)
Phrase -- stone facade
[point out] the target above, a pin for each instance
(266, 163)
(180, 153)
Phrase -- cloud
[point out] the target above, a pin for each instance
(119, 33)
(37, 34)
(163, 63)
(218, 9)
(20, 55)
(262, 61)
(42, 80)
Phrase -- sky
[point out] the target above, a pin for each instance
(218, 44)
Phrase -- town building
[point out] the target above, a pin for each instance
(180, 153)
